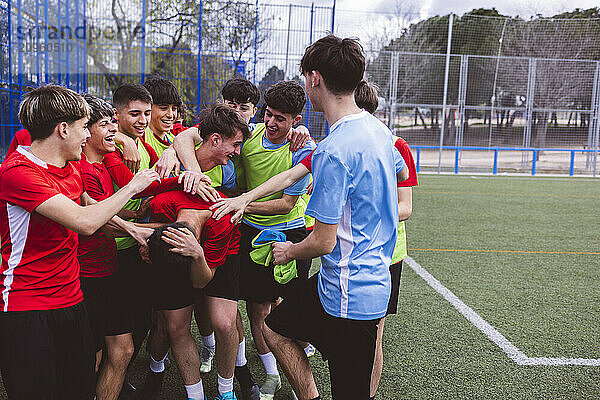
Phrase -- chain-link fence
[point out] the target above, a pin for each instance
(477, 93)
(504, 95)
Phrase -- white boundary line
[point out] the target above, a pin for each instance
(510, 349)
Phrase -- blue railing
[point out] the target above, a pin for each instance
(496, 150)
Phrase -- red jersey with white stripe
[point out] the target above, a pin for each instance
(39, 269)
(219, 238)
(97, 254)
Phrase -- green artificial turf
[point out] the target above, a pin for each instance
(546, 304)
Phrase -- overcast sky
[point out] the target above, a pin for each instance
(428, 8)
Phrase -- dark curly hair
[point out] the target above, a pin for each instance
(240, 90)
(220, 118)
(159, 249)
(286, 97)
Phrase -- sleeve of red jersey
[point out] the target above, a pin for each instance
(21, 138)
(121, 176)
(307, 162)
(93, 187)
(25, 187)
(404, 150)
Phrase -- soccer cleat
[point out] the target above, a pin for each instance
(152, 386)
(270, 387)
(310, 350)
(250, 392)
(206, 356)
(127, 391)
(226, 396)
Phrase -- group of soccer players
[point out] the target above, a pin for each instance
(106, 242)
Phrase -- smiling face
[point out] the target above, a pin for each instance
(134, 118)
(278, 124)
(245, 110)
(75, 135)
(102, 140)
(162, 118)
(224, 148)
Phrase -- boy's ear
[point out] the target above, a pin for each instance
(297, 119)
(62, 129)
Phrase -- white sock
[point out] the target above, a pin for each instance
(157, 366)
(208, 342)
(195, 391)
(270, 363)
(225, 384)
(240, 361)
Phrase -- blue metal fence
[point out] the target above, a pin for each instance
(41, 41)
(528, 164)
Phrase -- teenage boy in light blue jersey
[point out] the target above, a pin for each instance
(354, 202)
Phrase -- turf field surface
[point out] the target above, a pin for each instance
(522, 254)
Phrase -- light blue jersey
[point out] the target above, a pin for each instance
(354, 172)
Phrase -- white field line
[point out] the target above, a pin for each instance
(510, 349)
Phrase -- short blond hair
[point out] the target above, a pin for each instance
(43, 108)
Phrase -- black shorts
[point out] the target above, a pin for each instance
(171, 287)
(109, 304)
(225, 283)
(47, 354)
(347, 344)
(257, 282)
(395, 271)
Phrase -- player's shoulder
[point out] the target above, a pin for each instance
(17, 162)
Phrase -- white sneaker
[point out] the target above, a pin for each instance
(310, 350)
(270, 387)
(206, 356)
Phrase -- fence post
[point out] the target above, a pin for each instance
(333, 18)
(418, 159)
(529, 108)
(456, 160)
(143, 44)
(287, 42)
(255, 40)
(10, 74)
(199, 60)
(450, 21)
(495, 169)
(533, 162)
(596, 133)
(572, 163)
(393, 95)
(593, 116)
(312, 16)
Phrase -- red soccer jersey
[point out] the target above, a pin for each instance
(178, 128)
(219, 238)
(39, 268)
(21, 138)
(121, 176)
(405, 152)
(97, 254)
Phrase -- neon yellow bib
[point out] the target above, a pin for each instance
(216, 176)
(133, 204)
(400, 248)
(156, 144)
(260, 164)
